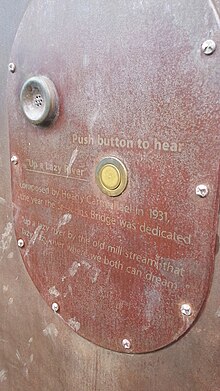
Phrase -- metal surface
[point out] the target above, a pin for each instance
(124, 261)
(36, 350)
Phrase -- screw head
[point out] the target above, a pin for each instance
(202, 191)
(126, 344)
(186, 309)
(55, 307)
(208, 47)
(14, 159)
(20, 243)
(11, 67)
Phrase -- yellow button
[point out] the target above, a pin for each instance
(110, 177)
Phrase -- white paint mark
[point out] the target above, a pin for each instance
(74, 268)
(74, 324)
(86, 264)
(2, 201)
(6, 237)
(70, 289)
(10, 255)
(137, 4)
(94, 271)
(33, 239)
(16, 210)
(30, 341)
(54, 292)
(69, 292)
(10, 301)
(218, 312)
(50, 331)
(65, 219)
(72, 160)
(85, 60)
(93, 119)
(5, 288)
(3, 340)
(3, 375)
(26, 371)
(24, 363)
(18, 355)
(215, 12)
(96, 274)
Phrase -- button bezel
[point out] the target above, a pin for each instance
(120, 167)
(39, 100)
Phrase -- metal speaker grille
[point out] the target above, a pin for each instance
(38, 100)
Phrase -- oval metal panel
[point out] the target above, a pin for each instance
(134, 85)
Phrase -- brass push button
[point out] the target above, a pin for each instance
(111, 176)
(39, 100)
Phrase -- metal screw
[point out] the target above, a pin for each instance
(20, 243)
(202, 191)
(55, 307)
(186, 309)
(208, 47)
(12, 67)
(126, 343)
(14, 159)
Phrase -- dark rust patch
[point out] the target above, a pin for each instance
(132, 84)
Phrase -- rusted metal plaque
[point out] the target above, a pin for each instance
(128, 271)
